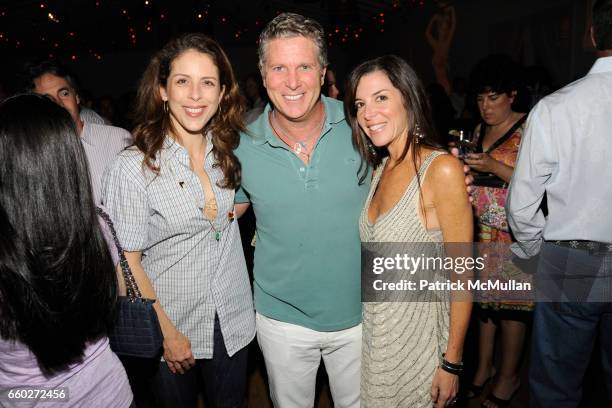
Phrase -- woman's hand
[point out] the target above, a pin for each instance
(177, 347)
(481, 162)
(177, 352)
(444, 388)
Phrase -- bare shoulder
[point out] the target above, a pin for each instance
(446, 166)
(446, 180)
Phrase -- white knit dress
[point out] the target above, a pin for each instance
(403, 339)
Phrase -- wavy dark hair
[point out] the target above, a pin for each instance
(499, 73)
(57, 280)
(153, 123)
(416, 103)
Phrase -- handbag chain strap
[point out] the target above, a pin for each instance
(130, 283)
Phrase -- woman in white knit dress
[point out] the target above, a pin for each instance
(412, 348)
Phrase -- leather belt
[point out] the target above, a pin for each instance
(593, 247)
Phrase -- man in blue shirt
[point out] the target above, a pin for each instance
(565, 154)
(100, 142)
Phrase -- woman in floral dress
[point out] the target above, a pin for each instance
(495, 81)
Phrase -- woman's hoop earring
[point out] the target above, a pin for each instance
(165, 106)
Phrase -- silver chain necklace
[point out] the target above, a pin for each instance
(299, 146)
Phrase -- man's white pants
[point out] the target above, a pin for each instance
(293, 353)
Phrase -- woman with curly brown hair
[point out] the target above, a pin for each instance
(171, 197)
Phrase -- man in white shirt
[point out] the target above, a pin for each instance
(100, 142)
(565, 153)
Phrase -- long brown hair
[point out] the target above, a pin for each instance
(421, 131)
(153, 122)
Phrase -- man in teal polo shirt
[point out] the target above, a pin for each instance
(308, 250)
(300, 172)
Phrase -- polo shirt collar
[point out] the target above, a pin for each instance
(261, 131)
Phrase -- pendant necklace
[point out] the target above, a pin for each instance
(299, 146)
(210, 208)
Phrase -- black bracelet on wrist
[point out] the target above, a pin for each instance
(450, 369)
(457, 366)
(453, 368)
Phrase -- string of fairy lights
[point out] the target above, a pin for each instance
(91, 28)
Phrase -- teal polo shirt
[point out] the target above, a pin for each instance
(307, 258)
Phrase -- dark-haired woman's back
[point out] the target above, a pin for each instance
(57, 280)
(97, 378)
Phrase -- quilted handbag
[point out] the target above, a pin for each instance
(136, 332)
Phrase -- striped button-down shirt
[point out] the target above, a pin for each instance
(101, 144)
(194, 274)
(91, 116)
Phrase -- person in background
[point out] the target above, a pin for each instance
(565, 156)
(57, 279)
(101, 142)
(255, 94)
(496, 82)
(331, 88)
(171, 198)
